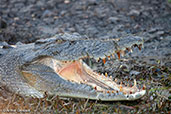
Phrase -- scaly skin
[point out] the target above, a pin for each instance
(55, 66)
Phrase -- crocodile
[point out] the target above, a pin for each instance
(56, 66)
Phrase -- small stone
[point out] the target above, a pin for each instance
(121, 4)
(39, 4)
(16, 18)
(160, 32)
(113, 19)
(71, 29)
(134, 12)
(55, 17)
(92, 30)
(47, 13)
(136, 26)
(152, 30)
(63, 12)
(19, 5)
(66, 1)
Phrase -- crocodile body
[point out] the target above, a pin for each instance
(55, 66)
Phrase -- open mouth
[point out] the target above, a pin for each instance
(66, 73)
(79, 72)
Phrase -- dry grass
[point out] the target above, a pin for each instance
(153, 102)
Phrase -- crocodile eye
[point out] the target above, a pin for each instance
(72, 42)
(39, 42)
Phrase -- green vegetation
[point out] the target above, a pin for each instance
(169, 1)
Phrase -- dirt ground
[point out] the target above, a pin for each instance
(28, 20)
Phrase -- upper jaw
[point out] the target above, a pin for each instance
(75, 49)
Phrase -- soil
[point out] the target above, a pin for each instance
(28, 20)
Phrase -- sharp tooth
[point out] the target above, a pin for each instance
(106, 74)
(121, 88)
(131, 50)
(110, 77)
(144, 87)
(122, 53)
(135, 83)
(85, 81)
(118, 53)
(108, 57)
(113, 55)
(97, 60)
(104, 60)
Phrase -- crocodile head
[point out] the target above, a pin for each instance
(56, 66)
